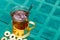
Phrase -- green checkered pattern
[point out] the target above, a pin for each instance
(45, 13)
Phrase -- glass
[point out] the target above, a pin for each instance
(20, 21)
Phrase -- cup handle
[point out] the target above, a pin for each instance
(31, 22)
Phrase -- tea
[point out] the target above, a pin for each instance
(20, 25)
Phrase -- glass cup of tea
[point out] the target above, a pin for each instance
(20, 22)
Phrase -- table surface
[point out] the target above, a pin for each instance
(45, 13)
